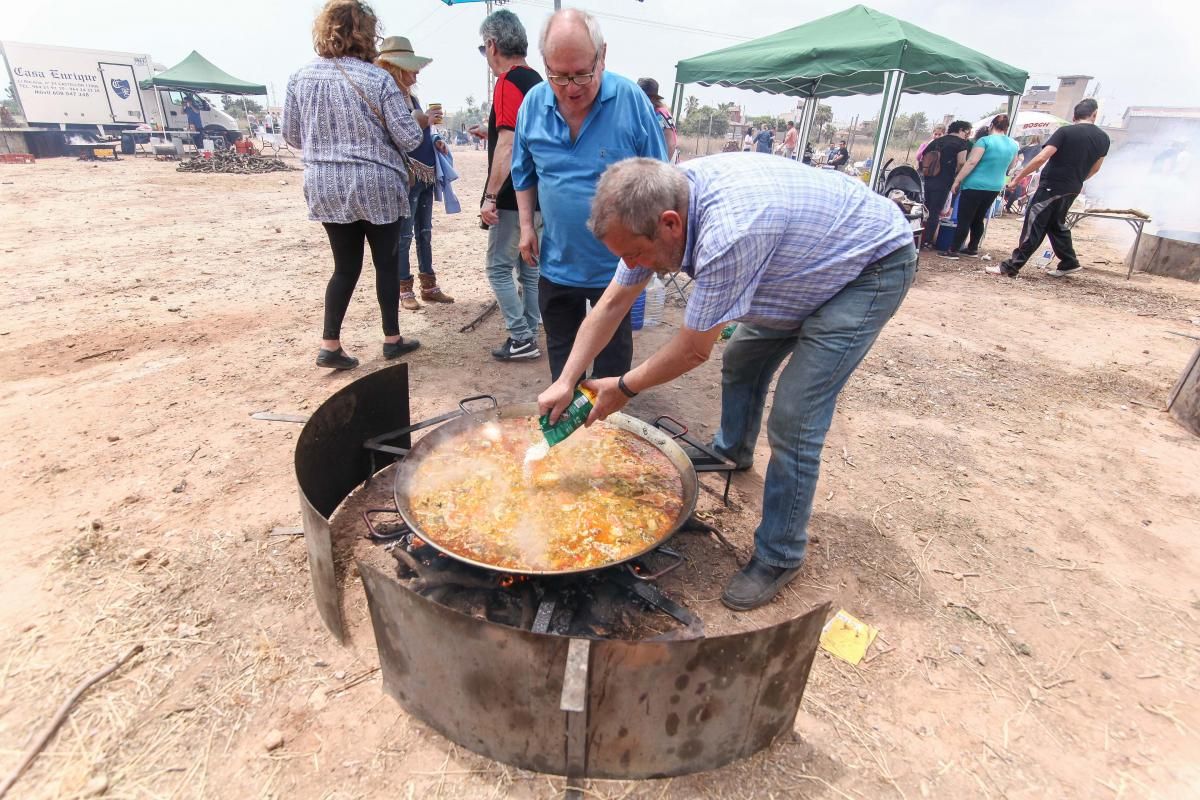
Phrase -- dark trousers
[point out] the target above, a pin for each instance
(563, 312)
(346, 240)
(973, 205)
(1046, 215)
(935, 200)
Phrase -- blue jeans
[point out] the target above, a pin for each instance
(521, 314)
(825, 349)
(420, 217)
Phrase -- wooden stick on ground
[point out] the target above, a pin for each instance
(60, 716)
(473, 324)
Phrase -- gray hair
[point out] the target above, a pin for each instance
(634, 193)
(505, 29)
(573, 15)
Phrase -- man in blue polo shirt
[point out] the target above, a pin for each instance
(812, 276)
(570, 128)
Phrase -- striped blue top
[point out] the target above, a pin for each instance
(769, 240)
(352, 165)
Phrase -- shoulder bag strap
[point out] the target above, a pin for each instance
(416, 170)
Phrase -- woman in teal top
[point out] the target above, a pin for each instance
(981, 179)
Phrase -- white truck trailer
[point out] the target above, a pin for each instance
(99, 91)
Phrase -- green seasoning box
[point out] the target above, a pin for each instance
(572, 418)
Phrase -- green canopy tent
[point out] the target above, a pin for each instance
(196, 73)
(858, 51)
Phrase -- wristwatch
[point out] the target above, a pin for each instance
(630, 393)
(488, 196)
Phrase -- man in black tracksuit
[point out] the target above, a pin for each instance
(1074, 153)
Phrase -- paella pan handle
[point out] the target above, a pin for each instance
(676, 425)
(463, 403)
(653, 576)
(374, 535)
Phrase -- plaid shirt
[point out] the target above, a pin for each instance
(770, 240)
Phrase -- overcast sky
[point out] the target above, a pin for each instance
(1141, 53)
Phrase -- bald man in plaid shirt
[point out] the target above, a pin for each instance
(814, 274)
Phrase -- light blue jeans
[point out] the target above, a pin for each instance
(825, 349)
(521, 313)
(418, 223)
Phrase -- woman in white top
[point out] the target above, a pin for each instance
(748, 142)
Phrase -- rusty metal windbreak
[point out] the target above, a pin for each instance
(330, 461)
(598, 709)
(660, 440)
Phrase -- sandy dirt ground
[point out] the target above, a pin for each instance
(1002, 496)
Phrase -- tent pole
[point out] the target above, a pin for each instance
(162, 111)
(677, 102)
(1014, 103)
(246, 111)
(892, 88)
(806, 120)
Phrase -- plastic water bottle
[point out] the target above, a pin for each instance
(1043, 261)
(638, 313)
(656, 298)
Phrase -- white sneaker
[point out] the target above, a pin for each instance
(1060, 272)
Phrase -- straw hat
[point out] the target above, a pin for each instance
(397, 50)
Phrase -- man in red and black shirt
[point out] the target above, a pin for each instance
(505, 45)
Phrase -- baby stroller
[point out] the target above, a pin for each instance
(906, 187)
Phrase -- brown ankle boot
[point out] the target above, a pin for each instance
(430, 292)
(407, 298)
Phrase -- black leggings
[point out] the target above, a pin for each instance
(346, 240)
(973, 205)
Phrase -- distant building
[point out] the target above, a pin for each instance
(1038, 98)
(1152, 122)
(1059, 102)
(1155, 125)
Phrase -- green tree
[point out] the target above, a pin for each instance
(233, 106)
(471, 115)
(704, 119)
(823, 117)
(690, 105)
(768, 121)
(919, 124)
(8, 107)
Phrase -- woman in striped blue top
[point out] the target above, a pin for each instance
(351, 124)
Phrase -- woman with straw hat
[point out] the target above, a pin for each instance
(397, 57)
(352, 127)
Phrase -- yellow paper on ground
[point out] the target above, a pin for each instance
(847, 638)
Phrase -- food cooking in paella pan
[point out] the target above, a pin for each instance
(602, 496)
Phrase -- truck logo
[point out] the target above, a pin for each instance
(121, 87)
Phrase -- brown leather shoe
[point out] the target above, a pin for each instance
(430, 292)
(408, 299)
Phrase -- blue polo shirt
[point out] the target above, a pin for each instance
(622, 124)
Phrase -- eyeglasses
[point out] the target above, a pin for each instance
(483, 47)
(582, 79)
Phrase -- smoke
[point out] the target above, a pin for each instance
(1156, 173)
